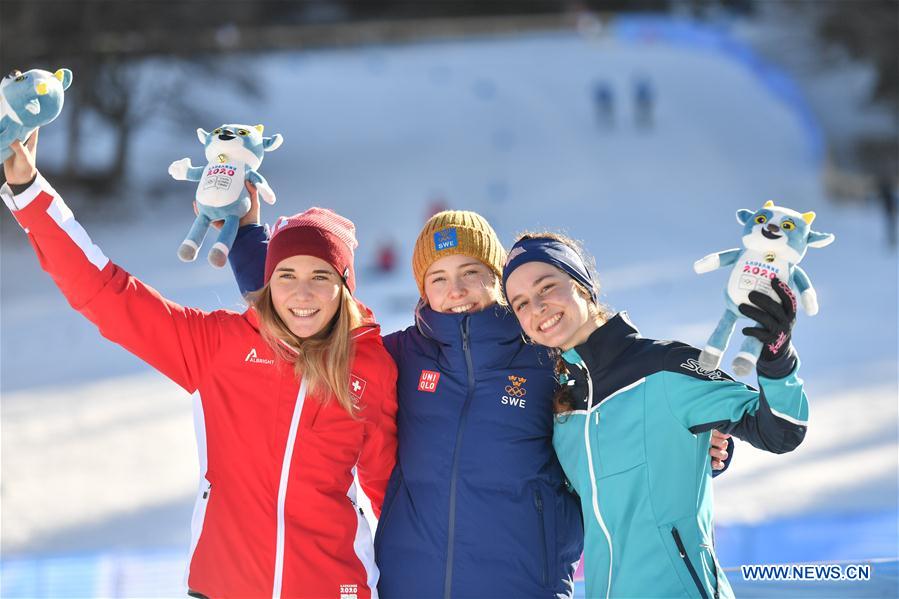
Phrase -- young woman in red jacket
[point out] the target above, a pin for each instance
(297, 393)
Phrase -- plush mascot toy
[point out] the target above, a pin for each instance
(775, 240)
(29, 100)
(233, 153)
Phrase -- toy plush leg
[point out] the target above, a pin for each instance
(748, 356)
(188, 250)
(717, 343)
(218, 255)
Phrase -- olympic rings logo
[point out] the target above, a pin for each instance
(516, 389)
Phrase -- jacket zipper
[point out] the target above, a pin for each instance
(711, 550)
(683, 553)
(282, 490)
(538, 503)
(594, 492)
(451, 529)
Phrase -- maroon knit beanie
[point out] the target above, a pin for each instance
(316, 232)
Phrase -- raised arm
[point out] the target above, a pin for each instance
(247, 257)
(177, 341)
(775, 417)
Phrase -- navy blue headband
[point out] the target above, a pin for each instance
(552, 252)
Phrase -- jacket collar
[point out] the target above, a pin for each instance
(491, 325)
(605, 344)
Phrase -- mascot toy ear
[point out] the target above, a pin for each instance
(202, 135)
(65, 77)
(820, 240)
(744, 215)
(272, 143)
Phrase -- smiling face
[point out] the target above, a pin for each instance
(550, 306)
(458, 284)
(306, 294)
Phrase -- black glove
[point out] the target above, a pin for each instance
(776, 320)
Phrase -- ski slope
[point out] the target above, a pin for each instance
(98, 452)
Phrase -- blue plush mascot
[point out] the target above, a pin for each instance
(775, 239)
(233, 153)
(29, 100)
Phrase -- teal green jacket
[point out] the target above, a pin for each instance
(635, 448)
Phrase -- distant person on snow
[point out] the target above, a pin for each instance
(386, 257)
(477, 505)
(604, 103)
(886, 196)
(644, 102)
(297, 395)
(437, 204)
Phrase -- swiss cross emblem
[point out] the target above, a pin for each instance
(357, 386)
(428, 381)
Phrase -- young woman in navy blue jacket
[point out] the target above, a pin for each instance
(477, 505)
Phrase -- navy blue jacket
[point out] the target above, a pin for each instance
(476, 506)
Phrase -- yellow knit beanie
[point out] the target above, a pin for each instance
(456, 232)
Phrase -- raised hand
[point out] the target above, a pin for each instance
(20, 168)
(250, 218)
(775, 320)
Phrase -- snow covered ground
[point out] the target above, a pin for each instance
(98, 456)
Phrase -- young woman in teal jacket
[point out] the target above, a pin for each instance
(633, 418)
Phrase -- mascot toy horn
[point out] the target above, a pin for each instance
(233, 153)
(775, 240)
(27, 101)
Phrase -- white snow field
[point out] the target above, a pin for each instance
(99, 465)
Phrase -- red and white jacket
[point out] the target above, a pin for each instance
(276, 513)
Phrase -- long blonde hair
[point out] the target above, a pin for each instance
(323, 359)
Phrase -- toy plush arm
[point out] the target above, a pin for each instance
(807, 293)
(182, 170)
(262, 186)
(715, 261)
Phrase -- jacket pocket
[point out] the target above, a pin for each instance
(541, 524)
(617, 427)
(682, 551)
